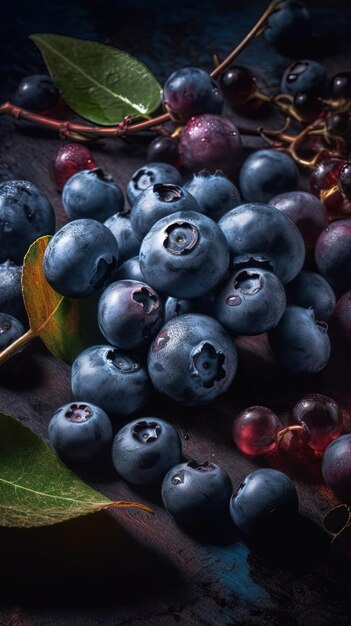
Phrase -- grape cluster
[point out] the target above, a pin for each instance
(210, 248)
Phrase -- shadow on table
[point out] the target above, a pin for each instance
(86, 562)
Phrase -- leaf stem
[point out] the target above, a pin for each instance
(16, 345)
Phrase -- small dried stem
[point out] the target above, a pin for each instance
(16, 346)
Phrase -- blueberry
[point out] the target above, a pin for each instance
(333, 254)
(128, 244)
(342, 316)
(178, 306)
(10, 330)
(92, 194)
(192, 359)
(113, 379)
(336, 466)
(25, 215)
(266, 173)
(251, 302)
(304, 76)
(195, 493)
(11, 300)
(215, 193)
(36, 93)
(310, 289)
(144, 450)
(151, 174)
(289, 23)
(184, 255)
(129, 314)
(259, 234)
(299, 342)
(157, 201)
(80, 258)
(306, 211)
(191, 91)
(130, 270)
(263, 494)
(80, 431)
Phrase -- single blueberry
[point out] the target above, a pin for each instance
(196, 493)
(129, 314)
(266, 173)
(261, 235)
(10, 330)
(36, 92)
(263, 494)
(290, 23)
(92, 194)
(310, 289)
(304, 76)
(300, 342)
(128, 244)
(11, 300)
(251, 302)
(192, 359)
(151, 174)
(158, 201)
(215, 193)
(80, 258)
(129, 270)
(111, 378)
(25, 215)
(80, 431)
(144, 450)
(184, 255)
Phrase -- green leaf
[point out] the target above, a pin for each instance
(36, 488)
(100, 83)
(67, 326)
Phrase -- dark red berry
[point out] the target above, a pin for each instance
(324, 180)
(238, 85)
(341, 86)
(68, 160)
(308, 107)
(345, 180)
(163, 150)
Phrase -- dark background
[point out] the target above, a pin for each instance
(128, 568)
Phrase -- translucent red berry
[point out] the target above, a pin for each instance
(345, 180)
(255, 430)
(163, 150)
(320, 418)
(238, 85)
(68, 160)
(324, 180)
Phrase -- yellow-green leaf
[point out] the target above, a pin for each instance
(36, 487)
(66, 325)
(100, 83)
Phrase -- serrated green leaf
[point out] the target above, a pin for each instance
(100, 83)
(66, 325)
(36, 488)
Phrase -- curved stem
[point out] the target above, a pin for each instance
(255, 31)
(16, 345)
(71, 127)
(284, 431)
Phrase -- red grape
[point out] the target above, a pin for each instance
(320, 418)
(255, 430)
(70, 159)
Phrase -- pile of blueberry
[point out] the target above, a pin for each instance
(184, 271)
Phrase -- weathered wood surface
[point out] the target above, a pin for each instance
(128, 567)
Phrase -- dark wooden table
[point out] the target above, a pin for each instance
(128, 567)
